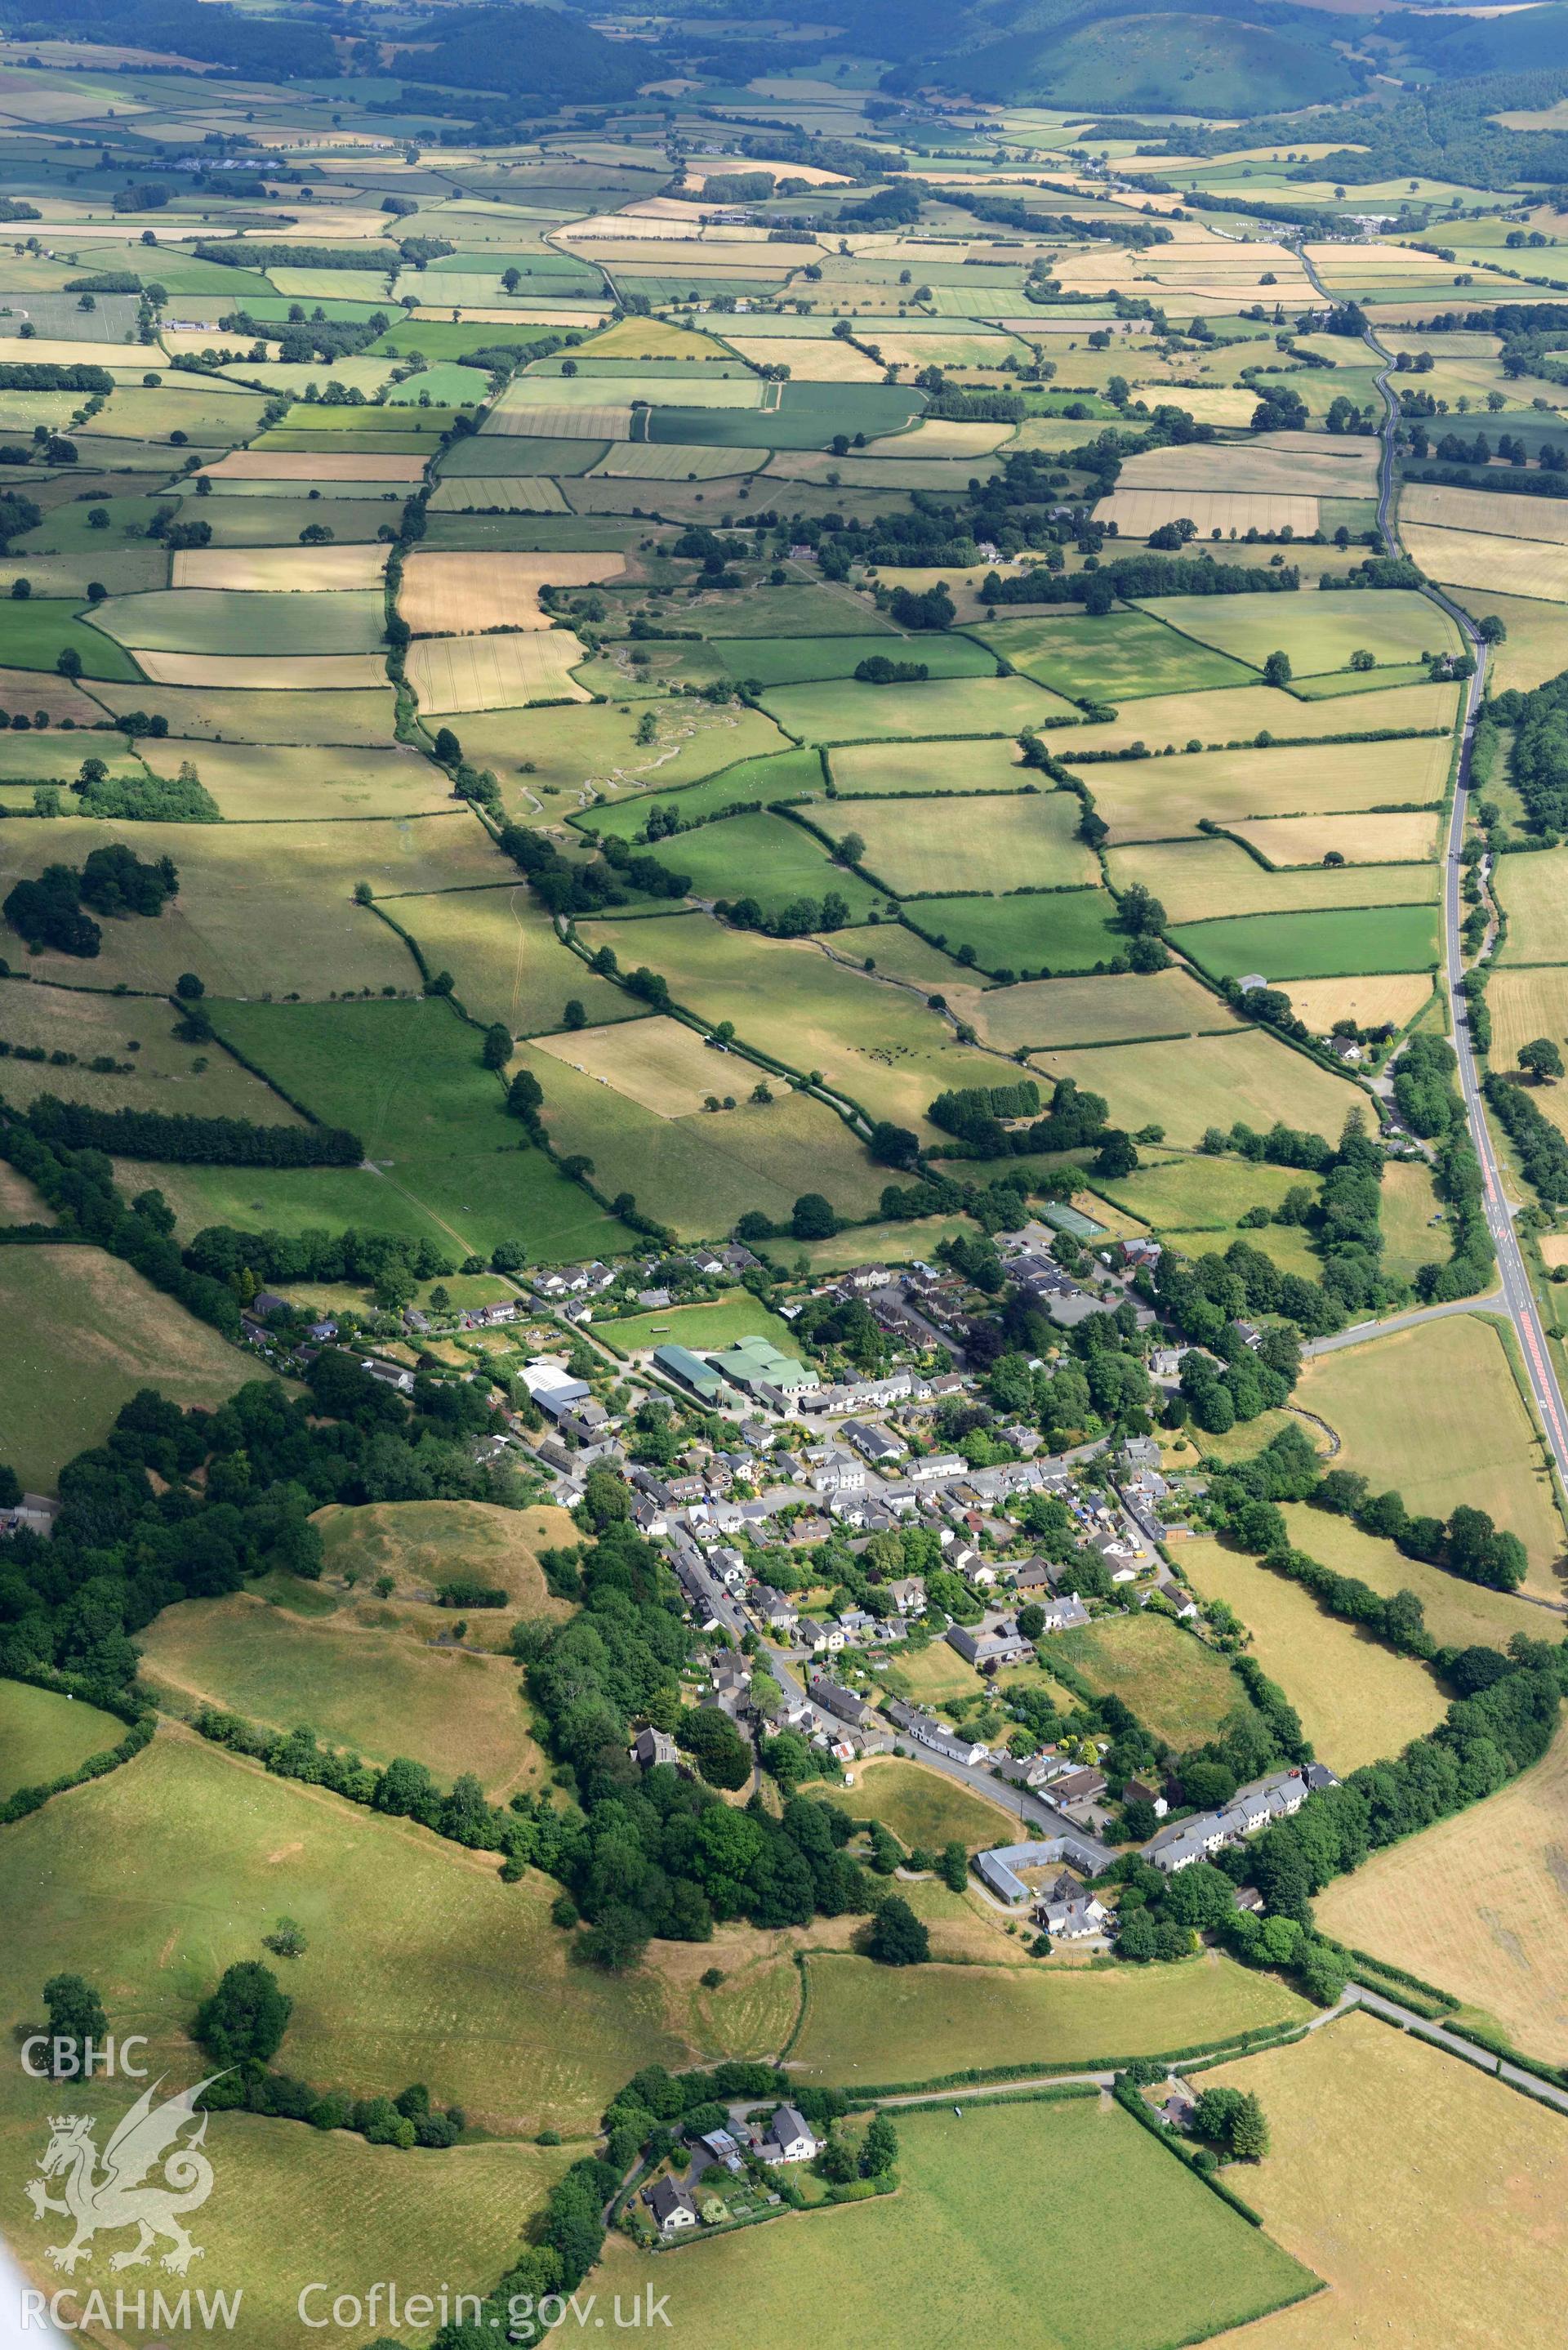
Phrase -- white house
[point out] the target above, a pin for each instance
(790, 2138)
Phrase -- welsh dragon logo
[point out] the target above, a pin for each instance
(115, 2195)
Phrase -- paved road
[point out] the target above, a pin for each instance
(1360, 1332)
(1518, 1297)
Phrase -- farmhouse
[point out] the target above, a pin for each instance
(999, 1868)
(670, 2205)
(789, 2138)
(996, 1641)
(1073, 1918)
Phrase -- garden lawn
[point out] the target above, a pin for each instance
(43, 1736)
(419, 1964)
(1177, 1686)
(705, 1329)
(1430, 2198)
(1435, 1412)
(1340, 940)
(407, 1078)
(918, 845)
(85, 1334)
(1170, 2262)
(381, 1693)
(868, 2025)
(1358, 1701)
(1118, 657)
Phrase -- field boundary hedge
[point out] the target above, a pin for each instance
(142, 1724)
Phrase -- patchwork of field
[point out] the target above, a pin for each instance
(86, 1333)
(1435, 1412)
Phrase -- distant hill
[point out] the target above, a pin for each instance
(532, 52)
(1169, 62)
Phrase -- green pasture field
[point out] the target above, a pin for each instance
(769, 858)
(440, 338)
(379, 1692)
(66, 530)
(615, 673)
(259, 910)
(213, 416)
(418, 1961)
(705, 1329)
(921, 1806)
(873, 1243)
(43, 1736)
(787, 775)
(700, 1171)
(246, 621)
(899, 952)
(1199, 880)
(306, 2204)
(845, 711)
(808, 416)
(161, 1073)
(796, 608)
(1412, 1220)
(1194, 1082)
(1119, 658)
(1040, 934)
(1327, 945)
(803, 660)
(889, 770)
(1232, 718)
(871, 2023)
(506, 961)
(1151, 799)
(499, 454)
(1345, 684)
(918, 845)
(289, 1200)
(590, 751)
(85, 1332)
(1532, 891)
(1320, 632)
(1458, 1613)
(885, 1050)
(276, 783)
(1112, 1010)
(316, 418)
(933, 1675)
(120, 569)
(407, 1078)
(1170, 2264)
(365, 715)
(1435, 1412)
(1197, 1194)
(1181, 1690)
(35, 631)
(1359, 1703)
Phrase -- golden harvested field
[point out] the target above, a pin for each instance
(819, 360)
(684, 460)
(1358, 1701)
(267, 672)
(1321, 471)
(1536, 646)
(1404, 838)
(1019, 840)
(1526, 1004)
(1412, 1220)
(1473, 558)
(1138, 511)
(1190, 1083)
(1503, 1950)
(1111, 1009)
(461, 595)
(1431, 2198)
(1146, 799)
(366, 716)
(1533, 893)
(1217, 403)
(456, 673)
(922, 1806)
(296, 570)
(264, 782)
(1492, 513)
(1385, 996)
(1197, 880)
(610, 420)
(1434, 1412)
(1237, 714)
(1458, 1613)
(659, 1063)
(938, 436)
(308, 465)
